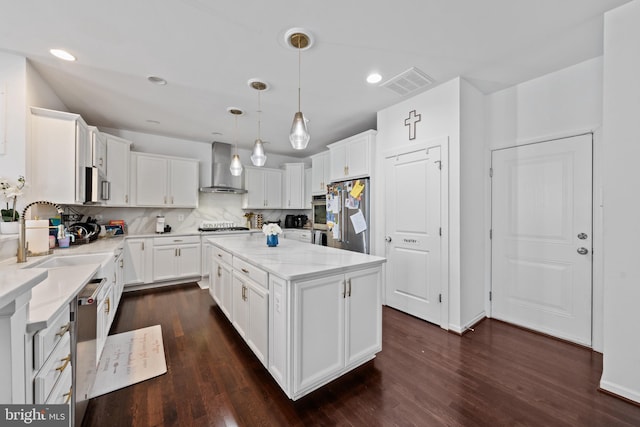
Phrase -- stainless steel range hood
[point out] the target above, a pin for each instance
(221, 179)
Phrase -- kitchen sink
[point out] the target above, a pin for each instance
(59, 261)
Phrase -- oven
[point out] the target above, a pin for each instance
(319, 212)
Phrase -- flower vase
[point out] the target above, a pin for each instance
(272, 240)
(12, 227)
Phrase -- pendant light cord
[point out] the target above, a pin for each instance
(259, 113)
(299, 71)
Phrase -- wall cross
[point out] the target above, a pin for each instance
(411, 122)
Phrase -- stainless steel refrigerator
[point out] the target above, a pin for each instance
(348, 213)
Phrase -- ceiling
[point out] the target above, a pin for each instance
(207, 51)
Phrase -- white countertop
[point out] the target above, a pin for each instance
(294, 260)
(50, 296)
(14, 283)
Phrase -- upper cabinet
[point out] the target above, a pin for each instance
(164, 181)
(98, 152)
(57, 155)
(307, 189)
(352, 157)
(320, 173)
(118, 153)
(294, 186)
(264, 188)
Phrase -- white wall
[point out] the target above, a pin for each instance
(473, 184)
(621, 114)
(440, 110)
(563, 103)
(13, 83)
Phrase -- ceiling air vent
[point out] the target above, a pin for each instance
(408, 82)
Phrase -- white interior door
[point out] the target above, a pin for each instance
(542, 229)
(413, 226)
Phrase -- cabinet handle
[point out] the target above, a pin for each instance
(108, 308)
(68, 395)
(171, 199)
(126, 198)
(66, 361)
(121, 263)
(244, 270)
(101, 161)
(344, 289)
(143, 246)
(165, 200)
(179, 251)
(177, 240)
(349, 294)
(219, 271)
(220, 255)
(63, 330)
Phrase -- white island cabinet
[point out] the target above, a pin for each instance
(322, 307)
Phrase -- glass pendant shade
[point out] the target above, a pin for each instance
(258, 158)
(236, 166)
(299, 135)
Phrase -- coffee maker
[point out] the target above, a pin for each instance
(290, 221)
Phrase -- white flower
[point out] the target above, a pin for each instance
(10, 190)
(271, 229)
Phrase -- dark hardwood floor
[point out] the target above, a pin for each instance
(498, 375)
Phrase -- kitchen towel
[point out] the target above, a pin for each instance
(129, 358)
(37, 235)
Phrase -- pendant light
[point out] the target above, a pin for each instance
(236, 164)
(258, 157)
(299, 135)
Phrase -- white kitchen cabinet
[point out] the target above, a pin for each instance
(98, 150)
(320, 173)
(307, 189)
(338, 312)
(220, 280)
(57, 154)
(164, 181)
(264, 188)
(137, 261)
(118, 169)
(250, 313)
(297, 234)
(176, 257)
(119, 281)
(293, 186)
(352, 157)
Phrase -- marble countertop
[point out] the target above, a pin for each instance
(14, 283)
(294, 260)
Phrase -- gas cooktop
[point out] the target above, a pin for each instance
(220, 226)
(233, 228)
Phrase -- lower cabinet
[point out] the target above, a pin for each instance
(220, 280)
(176, 257)
(250, 314)
(137, 259)
(338, 312)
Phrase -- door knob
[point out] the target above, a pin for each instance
(583, 251)
(387, 239)
(582, 236)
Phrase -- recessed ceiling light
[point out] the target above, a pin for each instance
(234, 111)
(155, 122)
(62, 54)
(374, 78)
(157, 80)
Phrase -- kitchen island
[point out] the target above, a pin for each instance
(309, 313)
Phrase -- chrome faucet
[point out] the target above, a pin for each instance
(22, 241)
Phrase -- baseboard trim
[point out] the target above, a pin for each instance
(620, 392)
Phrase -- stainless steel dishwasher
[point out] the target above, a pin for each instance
(86, 345)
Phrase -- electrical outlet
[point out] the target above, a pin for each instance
(180, 217)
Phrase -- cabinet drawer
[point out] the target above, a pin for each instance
(61, 392)
(46, 339)
(221, 255)
(175, 240)
(254, 273)
(52, 369)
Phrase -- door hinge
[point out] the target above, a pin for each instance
(490, 172)
(440, 231)
(490, 296)
(439, 297)
(490, 233)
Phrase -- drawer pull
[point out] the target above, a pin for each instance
(68, 395)
(108, 304)
(244, 270)
(63, 330)
(220, 255)
(177, 240)
(66, 361)
(219, 271)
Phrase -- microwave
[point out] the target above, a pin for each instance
(319, 212)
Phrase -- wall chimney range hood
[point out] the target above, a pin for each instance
(221, 179)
